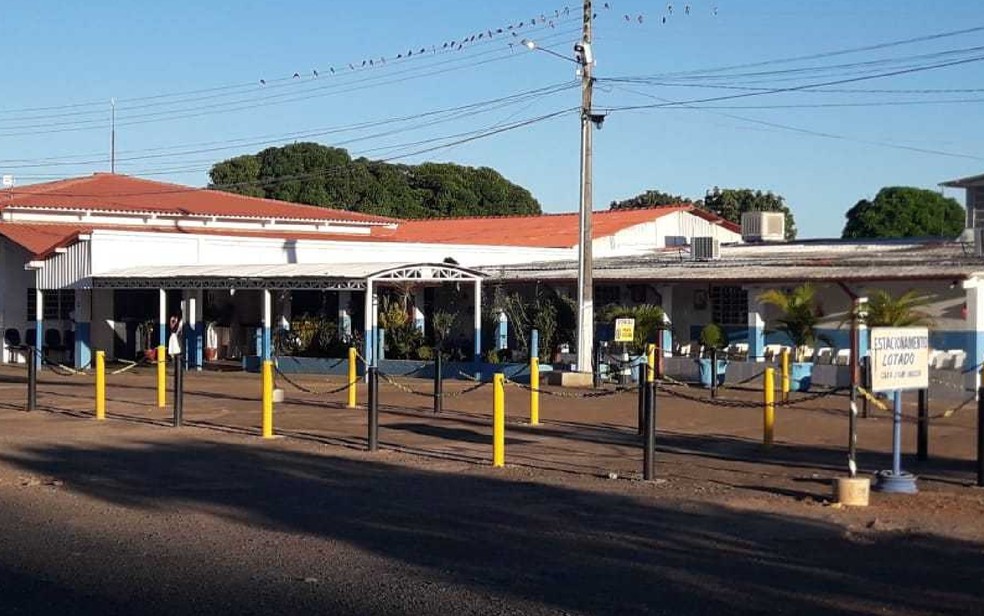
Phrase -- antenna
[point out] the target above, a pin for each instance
(112, 137)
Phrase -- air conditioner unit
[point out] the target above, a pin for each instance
(763, 226)
(705, 248)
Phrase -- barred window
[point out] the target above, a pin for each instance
(729, 305)
(58, 304)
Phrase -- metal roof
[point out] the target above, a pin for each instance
(342, 276)
(787, 262)
(967, 182)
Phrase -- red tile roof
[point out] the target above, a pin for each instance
(41, 239)
(540, 231)
(121, 193)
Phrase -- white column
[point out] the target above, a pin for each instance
(39, 324)
(666, 293)
(162, 317)
(267, 324)
(974, 341)
(478, 321)
(756, 326)
(368, 324)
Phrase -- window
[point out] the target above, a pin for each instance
(58, 304)
(729, 305)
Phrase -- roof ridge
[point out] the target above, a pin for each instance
(541, 214)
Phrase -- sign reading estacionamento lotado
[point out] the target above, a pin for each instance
(899, 358)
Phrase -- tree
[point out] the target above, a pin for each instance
(315, 174)
(884, 310)
(731, 203)
(904, 211)
(650, 198)
(798, 314)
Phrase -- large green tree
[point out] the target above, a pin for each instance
(904, 211)
(731, 203)
(650, 198)
(315, 174)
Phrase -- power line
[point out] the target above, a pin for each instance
(443, 115)
(458, 139)
(804, 87)
(805, 131)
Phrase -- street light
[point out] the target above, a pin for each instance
(584, 58)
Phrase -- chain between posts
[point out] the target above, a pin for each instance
(749, 403)
(562, 394)
(308, 390)
(409, 390)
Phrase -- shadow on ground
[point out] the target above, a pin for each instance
(567, 549)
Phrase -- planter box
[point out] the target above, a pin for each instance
(289, 364)
(800, 376)
(706, 373)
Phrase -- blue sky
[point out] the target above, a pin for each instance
(186, 76)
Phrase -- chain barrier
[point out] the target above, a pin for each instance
(873, 398)
(749, 403)
(308, 390)
(597, 393)
(404, 388)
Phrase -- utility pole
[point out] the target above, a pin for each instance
(585, 290)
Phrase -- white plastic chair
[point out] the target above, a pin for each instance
(824, 355)
(843, 357)
(959, 358)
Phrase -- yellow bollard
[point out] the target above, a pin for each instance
(267, 399)
(769, 392)
(650, 363)
(498, 421)
(161, 376)
(352, 375)
(100, 385)
(784, 366)
(535, 391)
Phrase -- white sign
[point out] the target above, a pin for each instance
(899, 358)
(624, 330)
(8, 181)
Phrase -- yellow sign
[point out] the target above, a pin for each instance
(624, 330)
(899, 358)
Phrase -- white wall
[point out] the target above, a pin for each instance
(112, 250)
(14, 283)
(660, 233)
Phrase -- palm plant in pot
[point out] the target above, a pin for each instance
(714, 340)
(798, 318)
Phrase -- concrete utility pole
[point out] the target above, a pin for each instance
(585, 290)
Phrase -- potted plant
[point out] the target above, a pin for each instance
(147, 338)
(798, 318)
(714, 339)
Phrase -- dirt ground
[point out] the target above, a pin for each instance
(133, 516)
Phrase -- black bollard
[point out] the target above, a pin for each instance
(178, 389)
(373, 408)
(922, 429)
(649, 453)
(714, 373)
(438, 384)
(596, 373)
(866, 382)
(642, 399)
(32, 380)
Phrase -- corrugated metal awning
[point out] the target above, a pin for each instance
(328, 276)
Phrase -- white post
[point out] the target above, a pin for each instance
(162, 317)
(38, 324)
(267, 324)
(478, 321)
(368, 319)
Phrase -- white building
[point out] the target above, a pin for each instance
(85, 263)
